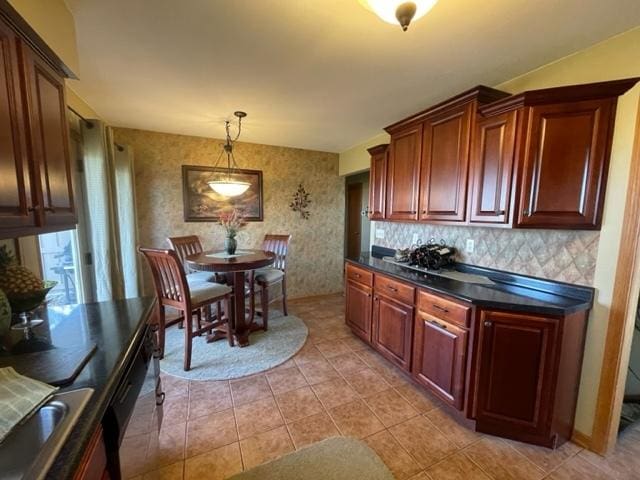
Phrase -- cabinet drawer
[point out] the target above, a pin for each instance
(359, 275)
(444, 308)
(393, 289)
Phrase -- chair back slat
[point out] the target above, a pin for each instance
(278, 244)
(185, 246)
(169, 278)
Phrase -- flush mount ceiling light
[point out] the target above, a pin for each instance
(228, 186)
(399, 11)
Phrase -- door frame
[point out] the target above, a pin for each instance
(624, 301)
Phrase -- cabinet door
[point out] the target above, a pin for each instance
(403, 174)
(516, 370)
(492, 158)
(94, 461)
(358, 309)
(565, 164)
(15, 195)
(48, 139)
(392, 330)
(377, 185)
(445, 162)
(439, 358)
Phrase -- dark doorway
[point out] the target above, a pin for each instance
(357, 224)
(354, 227)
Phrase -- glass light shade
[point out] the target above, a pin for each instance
(386, 9)
(228, 188)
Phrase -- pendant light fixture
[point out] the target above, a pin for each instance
(227, 186)
(399, 11)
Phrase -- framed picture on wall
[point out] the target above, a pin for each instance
(202, 204)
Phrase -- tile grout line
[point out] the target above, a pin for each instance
(284, 423)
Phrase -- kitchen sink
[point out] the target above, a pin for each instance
(29, 451)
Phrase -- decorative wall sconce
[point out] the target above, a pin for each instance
(301, 202)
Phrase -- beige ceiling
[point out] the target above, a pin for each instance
(317, 74)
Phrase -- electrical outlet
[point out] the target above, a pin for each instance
(470, 245)
(379, 233)
(414, 239)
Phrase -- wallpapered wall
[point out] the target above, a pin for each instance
(563, 255)
(316, 249)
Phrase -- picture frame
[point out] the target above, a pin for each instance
(202, 204)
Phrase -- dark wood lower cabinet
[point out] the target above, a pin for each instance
(515, 374)
(358, 309)
(392, 328)
(517, 355)
(439, 357)
(93, 465)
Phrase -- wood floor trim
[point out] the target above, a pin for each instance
(611, 388)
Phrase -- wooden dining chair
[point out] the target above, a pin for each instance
(173, 290)
(268, 277)
(189, 245)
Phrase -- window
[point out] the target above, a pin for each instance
(59, 258)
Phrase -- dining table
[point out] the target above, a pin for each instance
(234, 267)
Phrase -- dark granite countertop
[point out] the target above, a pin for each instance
(510, 291)
(116, 328)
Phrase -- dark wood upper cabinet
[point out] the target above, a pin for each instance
(562, 149)
(48, 138)
(15, 192)
(538, 159)
(392, 329)
(378, 182)
(565, 163)
(445, 160)
(440, 357)
(403, 173)
(36, 193)
(491, 170)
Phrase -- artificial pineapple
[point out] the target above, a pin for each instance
(14, 278)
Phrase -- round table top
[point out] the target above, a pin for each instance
(219, 261)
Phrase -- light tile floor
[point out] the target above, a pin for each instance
(336, 385)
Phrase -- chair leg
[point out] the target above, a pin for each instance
(284, 296)
(188, 319)
(161, 327)
(199, 321)
(264, 300)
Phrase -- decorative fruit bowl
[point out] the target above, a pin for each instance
(31, 300)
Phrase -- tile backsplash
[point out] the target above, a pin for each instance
(563, 255)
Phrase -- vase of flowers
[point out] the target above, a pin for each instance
(232, 221)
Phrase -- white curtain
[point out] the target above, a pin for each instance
(127, 227)
(110, 212)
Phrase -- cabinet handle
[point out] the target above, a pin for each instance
(34, 208)
(376, 298)
(438, 324)
(393, 289)
(488, 324)
(438, 307)
(526, 213)
(369, 295)
(357, 275)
